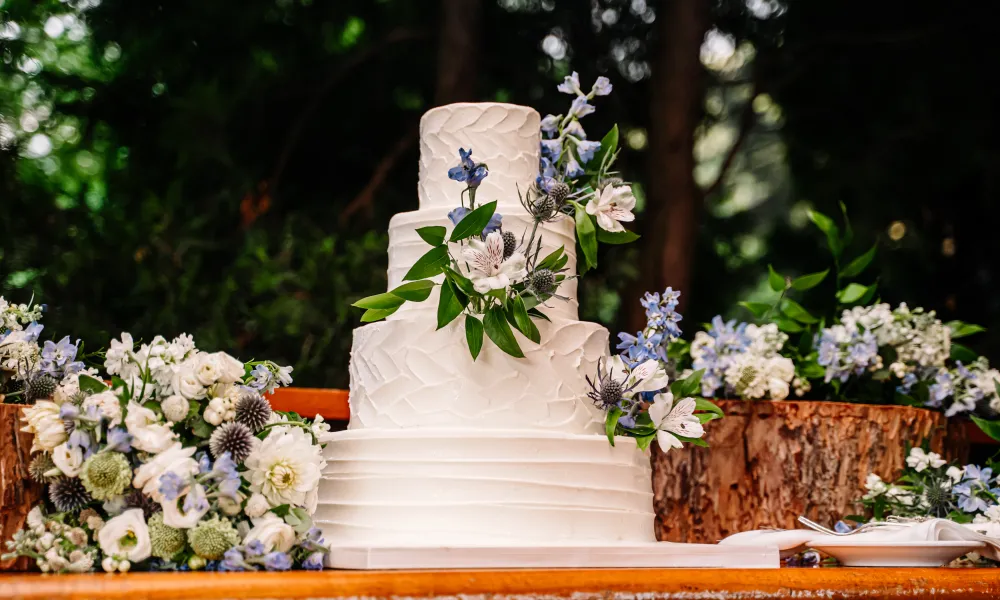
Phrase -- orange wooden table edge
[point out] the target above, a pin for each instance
(564, 583)
(309, 402)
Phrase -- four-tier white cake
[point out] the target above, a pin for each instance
(443, 451)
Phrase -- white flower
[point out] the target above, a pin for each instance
(320, 427)
(42, 420)
(185, 381)
(285, 467)
(176, 459)
(486, 267)
(920, 460)
(613, 205)
(955, 474)
(115, 505)
(256, 506)
(95, 522)
(904, 497)
(271, 531)
(108, 405)
(646, 377)
(118, 358)
(875, 486)
(777, 388)
(148, 434)
(284, 375)
(673, 419)
(126, 536)
(175, 408)
(68, 458)
(231, 370)
(35, 518)
(174, 514)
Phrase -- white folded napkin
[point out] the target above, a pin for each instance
(791, 541)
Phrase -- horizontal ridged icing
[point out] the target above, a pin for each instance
(505, 137)
(406, 247)
(405, 374)
(466, 487)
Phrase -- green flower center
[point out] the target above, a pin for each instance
(282, 475)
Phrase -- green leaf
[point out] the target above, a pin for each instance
(608, 146)
(433, 235)
(827, 226)
(859, 264)
(474, 335)
(693, 441)
(91, 385)
(382, 301)
(461, 282)
(691, 384)
(451, 304)
(414, 291)
(852, 293)
(808, 282)
(499, 331)
(523, 322)
(759, 309)
(990, 428)
(474, 222)
(869, 295)
(430, 264)
(960, 329)
(777, 282)
(201, 428)
(708, 406)
(788, 325)
(616, 237)
(963, 353)
(848, 232)
(611, 423)
(586, 236)
(550, 261)
(376, 314)
(534, 312)
(794, 310)
(644, 441)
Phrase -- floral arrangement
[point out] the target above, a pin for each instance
(932, 487)
(180, 463)
(493, 277)
(635, 392)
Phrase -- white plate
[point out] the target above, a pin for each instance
(856, 553)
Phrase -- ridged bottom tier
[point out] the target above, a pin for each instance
(448, 487)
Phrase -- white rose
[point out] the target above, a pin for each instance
(176, 459)
(68, 458)
(173, 512)
(42, 420)
(207, 369)
(231, 370)
(126, 536)
(175, 408)
(147, 433)
(271, 531)
(108, 404)
(778, 388)
(256, 506)
(186, 382)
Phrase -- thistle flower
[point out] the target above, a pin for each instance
(509, 244)
(40, 466)
(166, 541)
(558, 193)
(234, 438)
(211, 538)
(541, 281)
(253, 410)
(68, 494)
(106, 474)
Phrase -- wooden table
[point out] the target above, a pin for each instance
(608, 584)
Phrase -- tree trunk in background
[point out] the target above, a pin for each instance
(461, 22)
(770, 462)
(18, 493)
(674, 199)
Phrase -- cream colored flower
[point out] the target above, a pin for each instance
(68, 458)
(285, 468)
(674, 419)
(148, 434)
(126, 536)
(42, 420)
(611, 206)
(176, 459)
(271, 531)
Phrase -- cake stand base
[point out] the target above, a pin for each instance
(653, 555)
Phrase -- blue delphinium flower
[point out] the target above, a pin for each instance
(715, 351)
(69, 411)
(661, 329)
(573, 168)
(313, 562)
(575, 129)
(171, 485)
(602, 87)
(552, 149)
(941, 388)
(586, 150)
(467, 170)
(32, 331)
(570, 84)
(550, 126)
(119, 440)
(845, 352)
(58, 358)
(277, 561)
(581, 107)
(255, 548)
(233, 560)
(195, 500)
(83, 440)
(975, 492)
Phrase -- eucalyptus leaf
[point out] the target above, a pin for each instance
(807, 282)
(963, 353)
(960, 329)
(430, 264)
(474, 335)
(474, 222)
(91, 385)
(788, 325)
(414, 291)
(859, 264)
(433, 235)
(852, 293)
(498, 330)
(990, 428)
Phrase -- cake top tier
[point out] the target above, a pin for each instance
(503, 136)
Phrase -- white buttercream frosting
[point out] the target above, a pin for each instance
(453, 487)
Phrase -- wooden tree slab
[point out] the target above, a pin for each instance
(18, 493)
(769, 462)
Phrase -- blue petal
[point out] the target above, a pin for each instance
(494, 224)
(586, 150)
(457, 173)
(477, 175)
(552, 149)
(457, 215)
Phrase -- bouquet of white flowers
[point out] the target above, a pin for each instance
(180, 463)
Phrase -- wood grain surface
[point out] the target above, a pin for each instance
(769, 462)
(18, 493)
(603, 584)
(309, 402)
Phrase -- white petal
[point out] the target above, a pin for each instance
(616, 369)
(624, 198)
(621, 214)
(592, 207)
(683, 409)
(667, 441)
(643, 372)
(607, 223)
(494, 247)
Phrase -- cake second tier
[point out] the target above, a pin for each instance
(406, 373)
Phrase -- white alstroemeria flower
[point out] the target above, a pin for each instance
(486, 265)
(611, 206)
(646, 377)
(920, 460)
(673, 419)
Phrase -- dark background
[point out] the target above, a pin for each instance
(228, 167)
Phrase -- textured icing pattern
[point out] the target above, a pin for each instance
(405, 374)
(459, 487)
(504, 136)
(405, 247)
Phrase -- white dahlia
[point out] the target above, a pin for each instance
(285, 468)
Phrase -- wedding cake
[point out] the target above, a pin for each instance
(444, 450)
